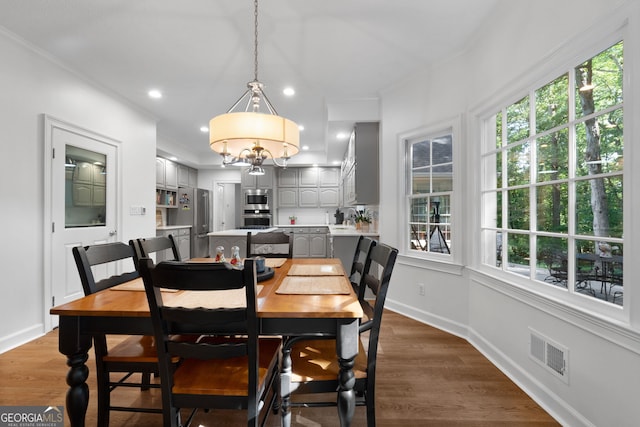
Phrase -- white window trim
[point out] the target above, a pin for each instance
(583, 46)
(453, 125)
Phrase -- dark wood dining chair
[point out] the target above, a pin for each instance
(314, 368)
(146, 246)
(275, 244)
(135, 354)
(360, 258)
(215, 372)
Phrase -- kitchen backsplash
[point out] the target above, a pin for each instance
(314, 216)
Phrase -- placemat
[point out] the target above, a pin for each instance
(135, 285)
(274, 262)
(231, 298)
(316, 270)
(314, 285)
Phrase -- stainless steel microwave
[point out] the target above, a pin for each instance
(257, 201)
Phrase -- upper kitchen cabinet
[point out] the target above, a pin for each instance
(308, 177)
(166, 173)
(329, 177)
(187, 177)
(360, 171)
(258, 181)
(308, 187)
(288, 177)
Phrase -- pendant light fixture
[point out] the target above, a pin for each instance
(251, 136)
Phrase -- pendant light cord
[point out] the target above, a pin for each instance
(255, 40)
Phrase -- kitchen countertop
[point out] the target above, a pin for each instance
(349, 230)
(172, 227)
(334, 230)
(240, 232)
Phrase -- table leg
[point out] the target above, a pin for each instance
(346, 349)
(75, 347)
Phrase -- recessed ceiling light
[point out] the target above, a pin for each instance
(289, 91)
(305, 147)
(174, 158)
(341, 135)
(204, 129)
(155, 94)
(300, 127)
(336, 162)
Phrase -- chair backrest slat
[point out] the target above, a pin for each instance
(87, 257)
(377, 278)
(146, 247)
(275, 244)
(197, 320)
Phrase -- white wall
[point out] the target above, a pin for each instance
(509, 54)
(32, 86)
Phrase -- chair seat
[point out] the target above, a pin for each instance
(225, 377)
(134, 349)
(316, 360)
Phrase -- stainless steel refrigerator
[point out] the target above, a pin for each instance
(194, 208)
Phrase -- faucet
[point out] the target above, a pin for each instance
(355, 213)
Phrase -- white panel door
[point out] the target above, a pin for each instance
(80, 220)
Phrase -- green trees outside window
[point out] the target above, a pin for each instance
(553, 180)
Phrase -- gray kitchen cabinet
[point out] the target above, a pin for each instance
(318, 245)
(182, 237)
(258, 181)
(166, 173)
(309, 187)
(193, 178)
(309, 242)
(170, 174)
(300, 245)
(288, 177)
(187, 177)
(183, 242)
(308, 177)
(329, 177)
(361, 166)
(287, 197)
(183, 176)
(328, 197)
(308, 197)
(160, 172)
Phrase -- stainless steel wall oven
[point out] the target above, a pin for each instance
(256, 207)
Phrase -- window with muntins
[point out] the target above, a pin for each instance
(429, 190)
(553, 178)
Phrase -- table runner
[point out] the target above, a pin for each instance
(314, 285)
(316, 270)
(135, 285)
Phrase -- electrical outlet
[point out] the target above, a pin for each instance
(420, 288)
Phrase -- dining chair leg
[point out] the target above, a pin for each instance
(285, 386)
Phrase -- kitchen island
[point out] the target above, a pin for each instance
(310, 240)
(343, 240)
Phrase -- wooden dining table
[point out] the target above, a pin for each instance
(292, 313)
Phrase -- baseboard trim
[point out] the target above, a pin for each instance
(21, 337)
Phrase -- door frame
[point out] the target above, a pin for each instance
(50, 123)
(214, 186)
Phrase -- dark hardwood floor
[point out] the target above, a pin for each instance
(426, 377)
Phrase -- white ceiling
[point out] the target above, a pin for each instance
(337, 54)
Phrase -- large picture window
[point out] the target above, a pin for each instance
(553, 179)
(429, 190)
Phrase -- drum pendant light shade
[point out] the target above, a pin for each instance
(231, 133)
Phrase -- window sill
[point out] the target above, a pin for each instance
(444, 265)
